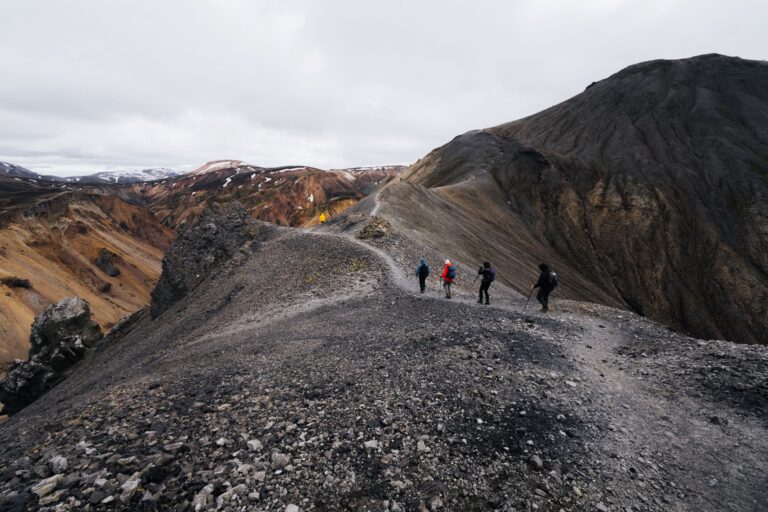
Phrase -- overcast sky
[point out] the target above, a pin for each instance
(93, 85)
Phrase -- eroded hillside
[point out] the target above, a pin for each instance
(289, 196)
(59, 241)
(647, 190)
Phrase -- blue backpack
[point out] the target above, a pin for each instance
(451, 272)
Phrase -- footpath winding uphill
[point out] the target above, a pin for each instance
(331, 384)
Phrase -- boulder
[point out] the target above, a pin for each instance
(105, 260)
(60, 337)
(377, 227)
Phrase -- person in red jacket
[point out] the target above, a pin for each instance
(448, 276)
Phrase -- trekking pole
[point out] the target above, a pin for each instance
(528, 300)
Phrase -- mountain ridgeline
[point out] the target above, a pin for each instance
(652, 185)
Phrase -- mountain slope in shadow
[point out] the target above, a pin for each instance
(648, 190)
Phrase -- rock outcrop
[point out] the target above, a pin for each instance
(219, 232)
(61, 335)
(106, 260)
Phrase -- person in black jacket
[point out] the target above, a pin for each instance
(546, 283)
(422, 271)
(489, 275)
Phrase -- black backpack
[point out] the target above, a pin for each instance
(552, 280)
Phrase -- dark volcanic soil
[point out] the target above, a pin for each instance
(649, 190)
(310, 373)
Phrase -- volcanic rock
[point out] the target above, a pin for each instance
(61, 335)
(201, 248)
(106, 262)
(377, 227)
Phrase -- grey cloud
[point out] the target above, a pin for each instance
(88, 85)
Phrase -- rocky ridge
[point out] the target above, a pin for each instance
(265, 388)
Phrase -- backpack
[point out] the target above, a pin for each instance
(423, 270)
(491, 274)
(552, 280)
(451, 272)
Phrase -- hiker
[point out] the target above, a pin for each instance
(423, 272)
(489, 276)
(448, 276)
(546, 283)
(323, 218)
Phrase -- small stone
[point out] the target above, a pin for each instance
(127, 461)
(280, 460)
(46, 486)
(421, 446)
(244, 469)
(570, 383)
(59, 464)
(601, 507)
(435, 503)
(371, 445)
(129, 487)
(254, 445)
(537, 463)
(51, 498)
(4, 418)
(173, 447)
(292, 508)
(203, 498)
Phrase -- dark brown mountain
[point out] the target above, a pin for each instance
(648, 190)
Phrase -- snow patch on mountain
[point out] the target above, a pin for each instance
(129, 176)
(216, 165)
(16, 170)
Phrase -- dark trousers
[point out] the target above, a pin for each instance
(484, 289)
(422, 283)
(543, 297)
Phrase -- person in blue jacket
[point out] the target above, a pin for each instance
(423, 272)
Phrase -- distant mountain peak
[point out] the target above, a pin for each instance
(17, 170)
(216, 165)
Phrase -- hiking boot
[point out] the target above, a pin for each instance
(480, 302)
(544, 309)
(487, 303)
